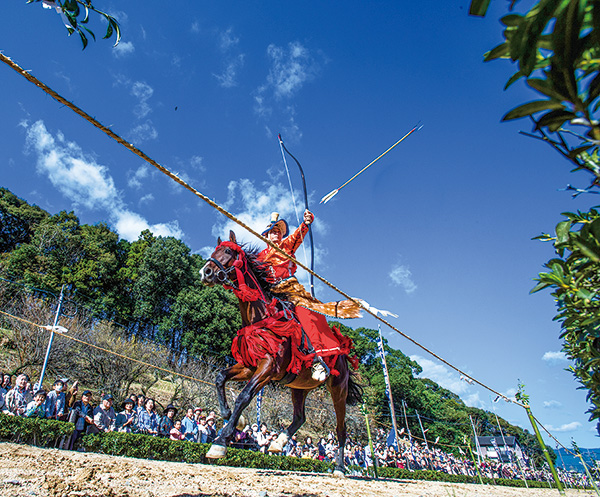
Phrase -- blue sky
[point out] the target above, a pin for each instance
(438, 231)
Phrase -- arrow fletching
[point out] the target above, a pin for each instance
(329, 196)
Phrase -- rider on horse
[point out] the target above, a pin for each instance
(282, 276)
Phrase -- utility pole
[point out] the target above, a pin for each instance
(56, 316)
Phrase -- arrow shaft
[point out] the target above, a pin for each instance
(375, 160)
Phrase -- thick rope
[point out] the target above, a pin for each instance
(112, 352)
(230, 216)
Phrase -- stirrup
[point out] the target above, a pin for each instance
(320, 371)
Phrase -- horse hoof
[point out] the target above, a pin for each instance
(278, 444)
(216, 452)
(338, 473)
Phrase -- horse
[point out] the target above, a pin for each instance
(273, 335)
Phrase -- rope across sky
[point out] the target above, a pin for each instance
(26, 74)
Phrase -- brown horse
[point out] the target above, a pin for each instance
(268, 316)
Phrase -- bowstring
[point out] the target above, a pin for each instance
(293, 197)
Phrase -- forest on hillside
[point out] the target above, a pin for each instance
(145, 298)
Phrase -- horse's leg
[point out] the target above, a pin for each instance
(261, 377)
(234, 373)
(338, 388)
(298, 401)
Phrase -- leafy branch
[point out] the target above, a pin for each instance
(75, 15)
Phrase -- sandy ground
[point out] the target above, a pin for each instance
(31, 471)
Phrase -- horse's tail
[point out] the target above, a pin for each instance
(355, 389)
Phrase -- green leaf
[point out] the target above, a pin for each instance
(479, 7)
(562, 232)
(566, 45)
(531, 108)
(576, 151)
(501, 51)
(515, 77)
(588, 249)
(538, 17)
(593, 89)
(545, 87)
(512, 20)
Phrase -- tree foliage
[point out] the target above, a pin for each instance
(556, 47)
(76, 16)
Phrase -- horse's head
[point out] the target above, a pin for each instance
(220, 266)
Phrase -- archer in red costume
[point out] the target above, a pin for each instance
(325, 342)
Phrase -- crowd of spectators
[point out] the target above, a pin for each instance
(138, 414)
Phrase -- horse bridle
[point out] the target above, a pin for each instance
(223, 273)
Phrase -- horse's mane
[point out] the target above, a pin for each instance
(261, 272)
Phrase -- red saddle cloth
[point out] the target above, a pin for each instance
(256, 341)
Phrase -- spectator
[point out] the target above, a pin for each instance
(18, 397)
(202, 430)
(70, 393)
(167, 422)
(141, 401)
(3, 392)
(175, 433)
(82, 416)
(56, 401)
(104, 414)
(126, 420)
(35, 409)
(197, 414)
(290, 448)
(212, 430)
(7, 382)
(148, 418)
(309, 451)
(262, 438)
(189, 427)
(322, 452)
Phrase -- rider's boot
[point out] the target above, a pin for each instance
(320, 371)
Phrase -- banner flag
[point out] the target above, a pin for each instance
(388, 391)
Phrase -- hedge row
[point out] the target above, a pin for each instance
(48, 433)
(148, 447)
(33, 431)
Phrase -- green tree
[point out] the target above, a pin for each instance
(556, 47)
(17, 220)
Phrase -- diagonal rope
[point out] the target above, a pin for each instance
(230, 216)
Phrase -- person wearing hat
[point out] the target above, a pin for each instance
(282, 272)
(126, 420)
(56, 401)
(82, 416)
(104, 414)
(167, 422)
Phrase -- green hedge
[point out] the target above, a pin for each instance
(33, 431)
(148, 447)
(46, 432)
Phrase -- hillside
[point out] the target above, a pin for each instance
(145, 298)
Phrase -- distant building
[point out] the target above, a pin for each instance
(495, 448)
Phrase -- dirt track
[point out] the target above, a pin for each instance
(30, 471)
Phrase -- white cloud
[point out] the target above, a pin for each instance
(227, 40)
(195, 27)
(136, 177)
(123, 49)
(402, 276)
(554, 357)
(228, 78)
(574, 425)
(550, 404)
(143, 132)
(86, 183)
(290, 69)
(253, 205)
(441, 374)
(143, 92)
